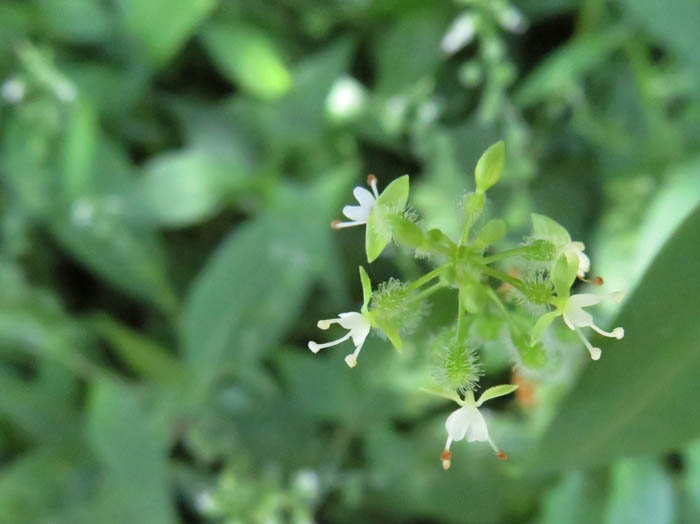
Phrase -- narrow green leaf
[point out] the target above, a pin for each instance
(131, 443)
(495, 392)
(163, 26)
(651, 409)
(541, 326)
(366, 288)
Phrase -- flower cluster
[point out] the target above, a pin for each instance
(525, 305)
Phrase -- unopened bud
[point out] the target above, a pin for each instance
(542, 250)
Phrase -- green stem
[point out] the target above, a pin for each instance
(427, 277)
(460, 312)
(492, 294)
(500, 275)
(427, 292)
(505, 254)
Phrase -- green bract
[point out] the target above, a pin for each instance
(391, 203)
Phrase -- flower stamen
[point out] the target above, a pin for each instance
(594, 351)
(316, 347)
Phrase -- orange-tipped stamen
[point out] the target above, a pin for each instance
(501, 455)
(335, 223)
(446, 459)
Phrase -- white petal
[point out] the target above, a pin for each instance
(459, 421)
(585, 300)
(478, 431)
(584, 264)
(357, 213)
(363, 196)
(576, 316)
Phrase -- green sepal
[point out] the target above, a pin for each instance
(495, 392)
(392, 333)
(545, 227)
(366, 289)
(490, 166)
(406, 232)
(442, 392)
(392, 199)
(564, 273)
(541, 326)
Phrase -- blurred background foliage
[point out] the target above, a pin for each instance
(169, 169)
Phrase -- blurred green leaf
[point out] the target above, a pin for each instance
(638, 398)
(79, 21)
(144, 355)
(186, 187)
(247, 56)
(674, 23)
(79, 149)
(129, 258)
(577, 499)
(641, 493)
(131, 443)
(163, 26)
(567, 66)
(41, 485)
(247, 295)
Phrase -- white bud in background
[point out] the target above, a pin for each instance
(13, 90)
(459, 34)
(346, 98)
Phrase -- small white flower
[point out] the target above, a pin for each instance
(359, 215)
(467, 422)
(584, 263)
(358, 327)
(575, 317)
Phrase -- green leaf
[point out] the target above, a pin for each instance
(567, 66)
(541, 326)
(490, 166)
(130, 258)
(548, 229)
(641, 493)
(131, 443)
(247, 56)
(442, 392)
(496, 391)
(366, 288)
(674, 24)
(144, 355)
(392, 200)
(392, 333)
(493, 231)
(650, 410)
(163, 26)
(249, 292)
(79, 149)
(578, 499)
(186, 187)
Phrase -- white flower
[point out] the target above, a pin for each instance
(575, 317)
(358, 327)
(359, 215)
(584, 263)
(467, 422)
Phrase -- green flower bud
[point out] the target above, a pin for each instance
(490, 166)
(540, 250)
(394, 310)
(537, 289)
(404, 231)
(455, 364)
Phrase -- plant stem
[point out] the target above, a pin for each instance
(427, 277)
(427, 292)
(500, 275)
(504, 254)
